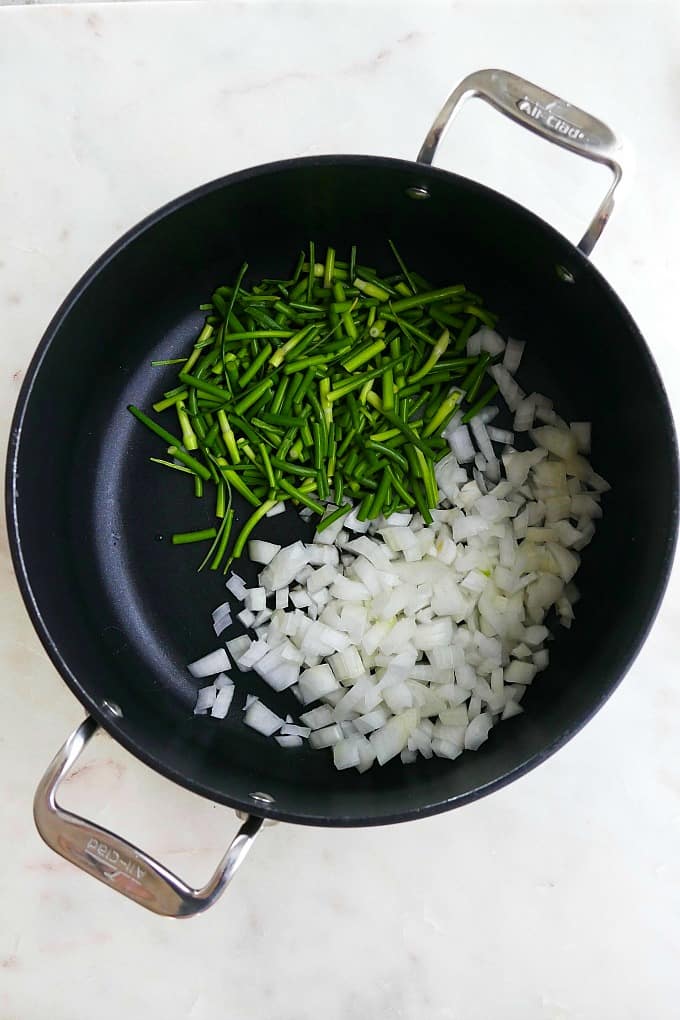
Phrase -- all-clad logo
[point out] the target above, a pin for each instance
(117, 864)
(547, 117)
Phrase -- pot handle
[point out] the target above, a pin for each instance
(117, 863)
(546, 115)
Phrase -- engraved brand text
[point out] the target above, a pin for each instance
(117, 864)
(547, 117)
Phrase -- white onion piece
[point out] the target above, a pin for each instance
(474, 344)
(585, 506)
(262, 552)
(401, 520)
(252, 655)
(321, 578)
(587, 532)
(524, 415)
(514, 349)
(519, 672)
(546, 415)
(222, 702)
(453, 424)
(375, 552)
(326, 737)
(304, 574)
(560, 442)
(237, 587)
(238, 645)
(541, 658)
(490, 340)
(246, 617)
(500, 435)
(481, 437)
(392, 738)
(262, 719)
(371, 720)
(256, 599)
(221, 610)
(488, 413)
(542, 401)
(320, 555)
(346, 753)
(597, 482)
(366, 754)
(284, 566)
(317, 681)
(329, 535)
(288, 740)
(291, 730)
(205, 699)
(511, 708)
(478, 731)
(347, 665)
(461, 445)
(511, 392)
(317, 718)
(209, 665)
(222, 620)
(352, 524)
(446, 748)
(581, 431)
(277, 672)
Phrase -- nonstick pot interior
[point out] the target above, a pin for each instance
(121, 612)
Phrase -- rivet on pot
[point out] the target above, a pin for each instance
(113, 709)
(564, 274)
(262, 798)
(418, 191)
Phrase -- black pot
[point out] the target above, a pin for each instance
(121, 613)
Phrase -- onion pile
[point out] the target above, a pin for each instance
(405, 639)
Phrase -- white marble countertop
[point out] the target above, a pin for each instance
(557, 898)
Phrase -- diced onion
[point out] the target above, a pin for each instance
(406, 638)
(262, 719)
(237, 587)
(205, 699)
(262, 552)
(285, 740)
(211, 664)
(256, 599)
(514, 349)
(326, 737)
(461, 445)
(222, 702)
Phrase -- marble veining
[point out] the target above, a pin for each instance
(557, 898)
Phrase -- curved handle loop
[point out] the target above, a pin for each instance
(120, 865)
(546, 115)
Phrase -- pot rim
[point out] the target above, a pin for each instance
(422, 174)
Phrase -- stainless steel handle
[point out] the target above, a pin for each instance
(117, 863)
(546, 115)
